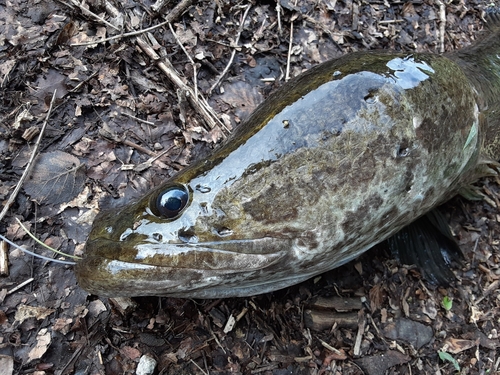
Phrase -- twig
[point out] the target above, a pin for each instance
(24, 283)
(125, 35)
(278, 12)
(233, 53)
(172, 15)
(203, 371)
(326, 30)
(89, 13)
(139, 119)
(29, 166)
(195, 79)
(4, 261)
(383, 22)
(288, 58)
(199, 104)
(37, 255)
(287, 73)
(442, 24)
(106, 132)
(148, 163)
(158, 5)
(359, 334)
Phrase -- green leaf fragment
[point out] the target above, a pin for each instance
(448, 357)
(447, 303)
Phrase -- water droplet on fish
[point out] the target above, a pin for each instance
(203, 189)
(187, 237)
(125, 234)
(157, 237)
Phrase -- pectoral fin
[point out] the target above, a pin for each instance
(429, 244)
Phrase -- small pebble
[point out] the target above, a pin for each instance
(146, 365)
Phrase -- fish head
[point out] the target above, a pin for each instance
(194, 239)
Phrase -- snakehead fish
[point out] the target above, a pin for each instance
(335, 161)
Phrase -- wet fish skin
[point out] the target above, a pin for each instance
(335, 161)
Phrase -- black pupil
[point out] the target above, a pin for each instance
(171, 202)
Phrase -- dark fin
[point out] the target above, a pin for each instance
(429, 244)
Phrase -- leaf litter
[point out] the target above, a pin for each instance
(155, 132)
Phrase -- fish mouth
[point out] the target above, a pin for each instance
(109, 268)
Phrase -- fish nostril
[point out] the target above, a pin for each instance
(224, 232)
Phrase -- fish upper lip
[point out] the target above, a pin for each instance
(197, 256)
(101, 271)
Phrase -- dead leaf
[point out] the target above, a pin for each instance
(377, 296)
(25, 312)
(47, 84)
(456, 346)
(57, 178)
(6, 365)
(130, 352)
(379, 363)
(43, 340)
(62, 325)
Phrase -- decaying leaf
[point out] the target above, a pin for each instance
(456, 346)
(25, 312)
(43, 340)
(6, 365)
(57, 177)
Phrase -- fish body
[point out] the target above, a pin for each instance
(335, 161)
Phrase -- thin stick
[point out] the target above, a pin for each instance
(233, 53)
(203, 371)
(4, 261)
(125, 35)
(45, 245)
(278, 11)
(24, 283)
(195, 79)
(29, 166)
(287, 73)
(139, 119)
(172, 15)
(199, 104)
(89, 13)
(442, 24)
(35, 254)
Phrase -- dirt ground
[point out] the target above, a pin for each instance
(121, 123)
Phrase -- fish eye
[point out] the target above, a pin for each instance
(170, 202)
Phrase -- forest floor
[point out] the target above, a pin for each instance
(118, 126)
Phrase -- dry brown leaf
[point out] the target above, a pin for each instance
(25, 312)
(6, 365)
(456, 346)
(43, 340)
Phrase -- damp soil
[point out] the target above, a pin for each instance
(117, 125)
